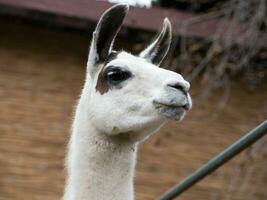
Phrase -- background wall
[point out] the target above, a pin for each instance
(41, 75)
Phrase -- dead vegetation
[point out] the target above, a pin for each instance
(231, 52)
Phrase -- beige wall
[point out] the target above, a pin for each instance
(41, 74)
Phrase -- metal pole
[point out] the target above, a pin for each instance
(217, 161)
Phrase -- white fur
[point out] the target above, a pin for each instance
(108, 127)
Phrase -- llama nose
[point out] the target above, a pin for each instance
(180, 85)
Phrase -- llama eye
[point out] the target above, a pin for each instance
(116, 76)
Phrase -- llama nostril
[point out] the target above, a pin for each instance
(186, 106)
(179, 86)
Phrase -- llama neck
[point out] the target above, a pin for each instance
(99, 167)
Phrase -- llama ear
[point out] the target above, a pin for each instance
(105, 33)
(158, 49)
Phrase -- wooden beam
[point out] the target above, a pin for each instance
(76, 12)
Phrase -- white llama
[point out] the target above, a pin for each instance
(125, 99)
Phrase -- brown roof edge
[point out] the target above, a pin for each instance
(139, 18)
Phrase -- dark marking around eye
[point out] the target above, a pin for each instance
(112, 77)
(102, 85)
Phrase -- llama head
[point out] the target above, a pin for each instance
(130, 94)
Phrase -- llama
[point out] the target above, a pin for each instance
(125, 99)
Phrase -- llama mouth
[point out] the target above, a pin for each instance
(171, 111)
(185, 107)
